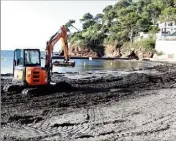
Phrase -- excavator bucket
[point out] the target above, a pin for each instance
(64, 64)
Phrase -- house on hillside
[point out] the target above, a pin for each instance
(173, 34)
(167, 28)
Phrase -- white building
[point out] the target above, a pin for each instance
(166, 40)
(167, 28)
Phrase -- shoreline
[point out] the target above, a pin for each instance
(155, 60)
(95, 58)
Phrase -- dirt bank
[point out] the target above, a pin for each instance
(103, 105)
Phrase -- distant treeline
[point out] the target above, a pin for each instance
(121, 22)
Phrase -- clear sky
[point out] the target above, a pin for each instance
(29, 24)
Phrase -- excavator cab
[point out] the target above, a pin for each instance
(27, 57)
(27, 67)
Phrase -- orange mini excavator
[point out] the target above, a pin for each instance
(27, 70)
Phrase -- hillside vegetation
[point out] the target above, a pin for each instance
(112, 32)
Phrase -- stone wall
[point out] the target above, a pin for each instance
(167, 47)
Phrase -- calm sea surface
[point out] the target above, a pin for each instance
(81, 64)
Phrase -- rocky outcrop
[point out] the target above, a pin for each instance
(144, 54)
(76, 51)
(138, 53)
(110, 51)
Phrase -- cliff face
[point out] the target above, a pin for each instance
(110, 51)
(144, 54)
(136, 53)
(81, 51)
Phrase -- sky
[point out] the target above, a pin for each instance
(30, 24)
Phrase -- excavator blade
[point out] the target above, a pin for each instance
(64, 64)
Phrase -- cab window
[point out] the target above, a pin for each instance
(32, 57)
(18, 57)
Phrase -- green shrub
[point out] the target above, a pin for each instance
(153, 30)
(80, 43)
(145, 44)
(159, 53)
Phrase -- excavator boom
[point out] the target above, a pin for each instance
(60, 35)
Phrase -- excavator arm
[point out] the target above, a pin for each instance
(60, 35)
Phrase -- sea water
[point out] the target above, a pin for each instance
(81, 64)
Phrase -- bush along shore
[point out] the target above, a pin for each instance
(115, 32)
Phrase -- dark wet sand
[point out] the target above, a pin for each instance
(103, 105)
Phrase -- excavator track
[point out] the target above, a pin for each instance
(28, 91)
(12, 88)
